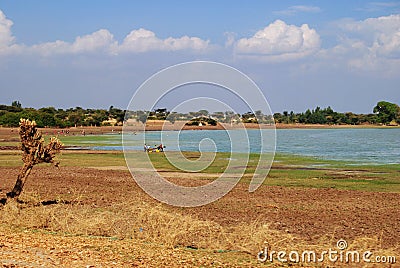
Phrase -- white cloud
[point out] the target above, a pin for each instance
(378, 6)
(99, 41)
(280, 41)
(230, 39)
(6, 37)
(57, 47)
(137, 41)
(143, 40)
(7, 40)
(297, 9)
(371, 44)
(372, 26)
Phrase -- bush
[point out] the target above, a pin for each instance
(202, 120)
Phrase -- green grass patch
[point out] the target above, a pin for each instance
(10, 159)
(161, 162)
(9, 143)
(78, 159)
(92, 159)
(309, 172)
(287, 170)
(91, 140)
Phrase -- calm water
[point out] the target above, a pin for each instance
(360, 145)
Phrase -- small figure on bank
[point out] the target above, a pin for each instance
(160, 148)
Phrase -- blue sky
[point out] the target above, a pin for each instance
(345, 54)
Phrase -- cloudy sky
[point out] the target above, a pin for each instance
(96, 53)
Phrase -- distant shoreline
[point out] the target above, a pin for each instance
(155, 125)
(310, 126)
(161, 125)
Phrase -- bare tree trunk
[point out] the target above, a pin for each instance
(34, 151)
(21, 179)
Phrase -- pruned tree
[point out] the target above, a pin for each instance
(34, 152)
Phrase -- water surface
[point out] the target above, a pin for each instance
(374, 145)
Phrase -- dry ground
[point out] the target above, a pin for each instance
(100, 218)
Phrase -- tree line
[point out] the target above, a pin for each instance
(384, 113)
(52, 117)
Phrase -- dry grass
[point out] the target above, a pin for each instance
(158, 225)
(139, 220)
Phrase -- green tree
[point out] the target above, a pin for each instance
(49, 110)
(352, 118)
(249, 117)
(142, 118)
(10, 119)
(261, 118)
(203, 113)
(16, 104)
(278, 117)
(47, 120)
(387, 112)
(172, 117)
(117, 114)
(229, 116)
(220, 116)
(76, 118)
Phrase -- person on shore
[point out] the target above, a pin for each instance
(147, 148)
(160, 148)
